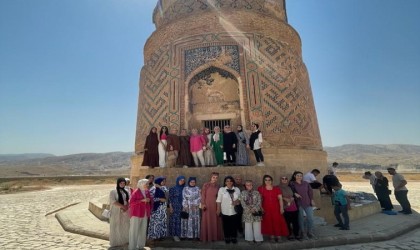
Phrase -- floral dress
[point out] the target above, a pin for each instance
(242, 158)
(190, 228)
(158, 223)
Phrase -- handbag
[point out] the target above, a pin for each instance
(184, 215)
(239, 209)
(106, 213)
(258, 213)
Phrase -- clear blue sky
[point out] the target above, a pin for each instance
(69, 71)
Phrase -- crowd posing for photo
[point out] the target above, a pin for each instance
(202, 148)
(214, 212)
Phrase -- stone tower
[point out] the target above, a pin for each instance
(236, 61)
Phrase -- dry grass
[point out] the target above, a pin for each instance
(352, 177)
(24, 184)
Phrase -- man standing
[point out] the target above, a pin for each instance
(400, 191)
(229, 145)
(255, 143)
(333, 169)
(173, 146)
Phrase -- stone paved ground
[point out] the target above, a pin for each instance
(23, 224)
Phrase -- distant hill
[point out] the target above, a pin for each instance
(375, 156)
(76, 164)
(17, 157)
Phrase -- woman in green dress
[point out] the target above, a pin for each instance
(217, 145)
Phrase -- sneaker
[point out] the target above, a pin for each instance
(176, 238)
(185, 166)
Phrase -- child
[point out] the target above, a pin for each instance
(341, 206)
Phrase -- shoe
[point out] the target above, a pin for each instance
(185, 166)
(234, 241)
(176, 238)
(291, 238)
(408, 212)
(344, 228)
(402, 211)
(312, 236)
(259, 243)
(338, 225)
(227, 241)
(316, 208)
(251, 242)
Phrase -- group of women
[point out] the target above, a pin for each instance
(202, 148)
(211, 213)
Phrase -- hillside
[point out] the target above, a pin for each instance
(378, 156)
(76, 164)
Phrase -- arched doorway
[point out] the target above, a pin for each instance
(213, 99)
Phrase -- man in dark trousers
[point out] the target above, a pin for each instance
(229, 145)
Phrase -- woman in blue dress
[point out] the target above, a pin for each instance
(175, 208)
(158, 223)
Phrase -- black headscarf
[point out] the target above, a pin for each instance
(119, 189)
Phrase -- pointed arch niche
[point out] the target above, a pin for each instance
(213, 93)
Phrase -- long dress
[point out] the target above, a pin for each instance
(162, 150)
(273, 223)
(211, 224)
(216, 144)
(242, 157)
(175, 199)
(151, 155)
(158, 223)
(119, 221)
(190, 228)
(382, 191)
(184, 157)
(209, 159)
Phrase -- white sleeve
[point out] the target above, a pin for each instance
(260, 139)
(219, 196)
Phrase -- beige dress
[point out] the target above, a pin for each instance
(119, 221)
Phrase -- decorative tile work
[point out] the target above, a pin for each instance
(178, 8)
(226, 55)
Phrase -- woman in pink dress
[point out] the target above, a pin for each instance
(273, 222)
(211, 225)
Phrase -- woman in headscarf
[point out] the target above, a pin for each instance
(305, 201)
(185, 157)
(175, 208)
(140, 207)
(273, 222)
(227, 199)
(163, 134)
(151, 154)
(251, 202)
(119, 221)
(158, 223)
(190, 228)
(209, 159)
(382, 191)
(291, 212)
(217, 145)
(211, 225)
(242, 158)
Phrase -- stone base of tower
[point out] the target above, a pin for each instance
(278, 162)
